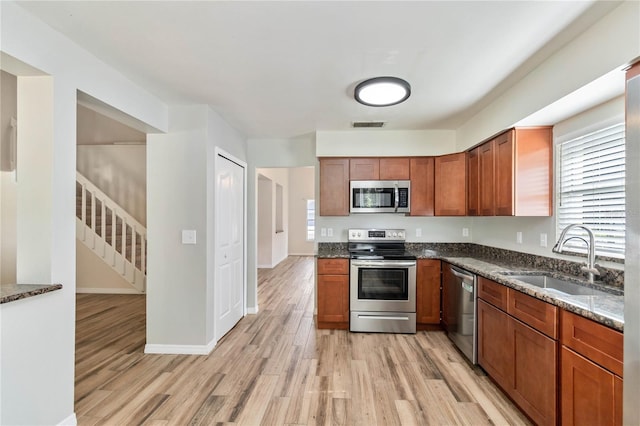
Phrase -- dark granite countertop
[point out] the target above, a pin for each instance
(12, 292)
(493, 263)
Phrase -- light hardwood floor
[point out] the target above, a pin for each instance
(275, 368)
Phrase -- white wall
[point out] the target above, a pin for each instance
(120, 171)
(278, 241)
(384, 143)
(94, 275)
(8, 224)
(301, 188)
(265, 220)
(180, 193)
(38, 334)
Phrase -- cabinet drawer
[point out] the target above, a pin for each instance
(534, 312)
(492, 292)
(595, 341)
(333, 266)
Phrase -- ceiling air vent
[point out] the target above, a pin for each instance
(367, 124)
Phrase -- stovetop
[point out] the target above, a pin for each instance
(378, 244)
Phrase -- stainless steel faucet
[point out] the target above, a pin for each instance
(590, 268)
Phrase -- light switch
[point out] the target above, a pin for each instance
(543, 240)
(188, 236)
(329, 232)
(519, 237)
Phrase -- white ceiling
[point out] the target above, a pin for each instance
(282, 69)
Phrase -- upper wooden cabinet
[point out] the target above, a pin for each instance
(364, 169)
(422, 186)
(514, 173)
(388, 168)
(451, 185)
(473, 182)
(334, 187)
(486, 179)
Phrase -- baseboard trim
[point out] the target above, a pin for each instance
(265, 266)
(180, 349)
(252, 311)
(69, 421)
(98, 290)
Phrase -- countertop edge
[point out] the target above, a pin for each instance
(13, 292)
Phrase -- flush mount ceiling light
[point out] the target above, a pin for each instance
(382, 91)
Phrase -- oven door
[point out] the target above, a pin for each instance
(383, 285)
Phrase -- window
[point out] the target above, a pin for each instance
(311, 220)
(591, 189)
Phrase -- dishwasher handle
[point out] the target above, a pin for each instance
(463, 275)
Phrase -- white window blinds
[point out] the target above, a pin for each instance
(591, 189)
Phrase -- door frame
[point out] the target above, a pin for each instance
(219, 152)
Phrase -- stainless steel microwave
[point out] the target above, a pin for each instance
(379, 196)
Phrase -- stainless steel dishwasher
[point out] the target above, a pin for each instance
(459, 309)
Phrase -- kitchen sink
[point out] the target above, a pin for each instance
(558, 285)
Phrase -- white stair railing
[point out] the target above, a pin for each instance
(111, 233)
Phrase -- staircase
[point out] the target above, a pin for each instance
(111, 233)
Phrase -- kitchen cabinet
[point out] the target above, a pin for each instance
(451, 185)
(473, 182)
(514, 174)
(364, 168)
(386, 168)
(516, 340)
(591, 379)
(486, 176)
(395, 168)
(334, 186)
(333, 293)
(421, 173)
(427, 293)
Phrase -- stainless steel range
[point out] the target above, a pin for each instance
(382, 282)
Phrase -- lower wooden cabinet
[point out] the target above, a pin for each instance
(333, 293)
(591, 365)
(590, 394)
(427, 292)
(520, 359)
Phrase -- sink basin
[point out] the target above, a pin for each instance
(558, 285)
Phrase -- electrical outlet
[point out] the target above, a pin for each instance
(329, 232)
(323, 232)
(188, 236)
(418, 232)
(543, 240)
(465, 232)
(519, 237)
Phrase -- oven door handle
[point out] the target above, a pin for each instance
(377, 264)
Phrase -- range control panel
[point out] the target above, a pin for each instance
(377, 234)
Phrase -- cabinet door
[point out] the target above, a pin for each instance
(504, 165)
(487, 183)
(495, 344)
(364, 169)
(422, 186)
(428, 292)
(333, 301)
(533, 171)
(334, 187)
(473, 182)
(588, 391)
(394, 168)
(535, 373)
(451, 185)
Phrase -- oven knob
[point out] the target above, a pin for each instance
(395, 234)
(400, 235)
(359, 235)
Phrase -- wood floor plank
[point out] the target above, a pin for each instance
(275, 368)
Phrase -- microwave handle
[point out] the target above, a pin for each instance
(397, 201)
